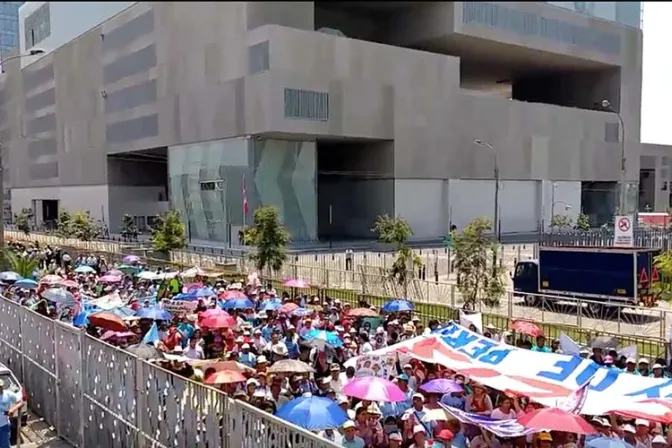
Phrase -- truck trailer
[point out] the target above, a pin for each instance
(599, 275)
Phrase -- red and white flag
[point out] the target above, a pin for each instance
(244, 193)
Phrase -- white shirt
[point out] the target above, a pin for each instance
(194, 353)
(338, 384)
(499, 415)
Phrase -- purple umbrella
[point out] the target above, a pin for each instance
(441, 386)
(131, 259)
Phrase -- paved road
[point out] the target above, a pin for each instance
(37, 433)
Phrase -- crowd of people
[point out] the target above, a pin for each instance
(268, 348)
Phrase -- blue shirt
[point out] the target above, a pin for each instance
(459, 441)
(7, 400)
(249, 359)
(544, 349)
(453, 402)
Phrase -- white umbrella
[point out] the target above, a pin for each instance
(167, 275)
(148, 275)
(193, 272)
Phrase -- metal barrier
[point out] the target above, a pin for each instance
(97, 395)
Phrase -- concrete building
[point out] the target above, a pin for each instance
(335, 112)
(655, 192)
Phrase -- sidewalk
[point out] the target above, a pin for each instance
(38, 433)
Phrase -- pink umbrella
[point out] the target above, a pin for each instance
(110, 279)
(295, 283)
(110, 334)
(192, 287)
(232, 294)
(51, 280)
(70, 284)
(212, 312)
(373, 388)
(116, 272)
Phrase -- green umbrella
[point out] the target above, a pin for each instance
(127, 267)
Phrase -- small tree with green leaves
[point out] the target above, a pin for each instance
(22, 220)
(663, 287)
(22, 265)
(64, 227)
(473, 247)
(396, 231)
(582, 222)
(168, 232)
(269, 237)
(128, 227)
(561, 222)
(84, 227)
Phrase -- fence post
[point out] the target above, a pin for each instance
(139, 400)
(57, 380)
(82, 391)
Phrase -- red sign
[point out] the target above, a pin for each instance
(643, 278)
(654, 275)
(624, 224)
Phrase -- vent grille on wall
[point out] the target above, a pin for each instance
(306, 104)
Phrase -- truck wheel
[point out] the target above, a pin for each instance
(595, 309)
(530, 300)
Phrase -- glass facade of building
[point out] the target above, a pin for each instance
(208, 181)
(625, 13)
(9, 25)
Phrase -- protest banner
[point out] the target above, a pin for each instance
(180, 307)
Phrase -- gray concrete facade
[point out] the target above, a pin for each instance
(171, 73)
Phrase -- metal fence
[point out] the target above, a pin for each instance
(642, 237)
(96, 395)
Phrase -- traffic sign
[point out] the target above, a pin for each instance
(654, 275)
(623, 231)
(643, 278)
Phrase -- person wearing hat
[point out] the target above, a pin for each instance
(657, 371)
(419, 436)
(642, 433)
(246, 357)
(336, 380)
(350, 438)
(644, 367)
(544, 440)
(444, 439)
(658, 442)
(479, 401)
(394, 440)
(628, 432)
(631, 366)
(194, 351)
(10, 403)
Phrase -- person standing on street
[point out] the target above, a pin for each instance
(10, 403)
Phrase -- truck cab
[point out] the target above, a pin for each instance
(526, 281)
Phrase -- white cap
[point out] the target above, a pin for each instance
(629, 428)
(643, 361)
(420, 396)
(259, 394)
(349, 424)
(252, 381)
(341, 399)
(659, 439)
(418, 428)
(642, 422)
(262, 359)
(656, 366)
(244, 346)
(631, 360)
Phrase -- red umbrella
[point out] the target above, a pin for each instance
(525, 327)
(363, 312)
(232, 294)
(554, 419)
(212, 312)
(108, 321)
(288, 307)
(225, 377)
(70, 284)
(219, 321)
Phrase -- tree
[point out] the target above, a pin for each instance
(395, 230)
(22, 220)
(128, 227)
(663, 287)
(64, 225)
(583, 222)
(24, 266)
(270, 238)
(561, 221)
(473, 248)
(84, 227)
(168, 232)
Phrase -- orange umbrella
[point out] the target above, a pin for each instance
(525, 327)
(288, 307)
(363, 312)
(108, 321)
(225, 377)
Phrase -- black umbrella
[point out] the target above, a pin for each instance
(146, 352)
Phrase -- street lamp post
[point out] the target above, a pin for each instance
(553, 202)
(622, 190)
(480, 142)
(33, 52)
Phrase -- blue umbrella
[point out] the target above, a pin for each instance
(302, 312)
(313, 413)
(397, 305)
(58, 295)
(187, 296)
(9, 276)
(606, 442)
(238, 304)
(26, 283)
(84, 269)
(82, 319)
(322, 338)
(205, 292)
(271, 305)
(154, 313)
